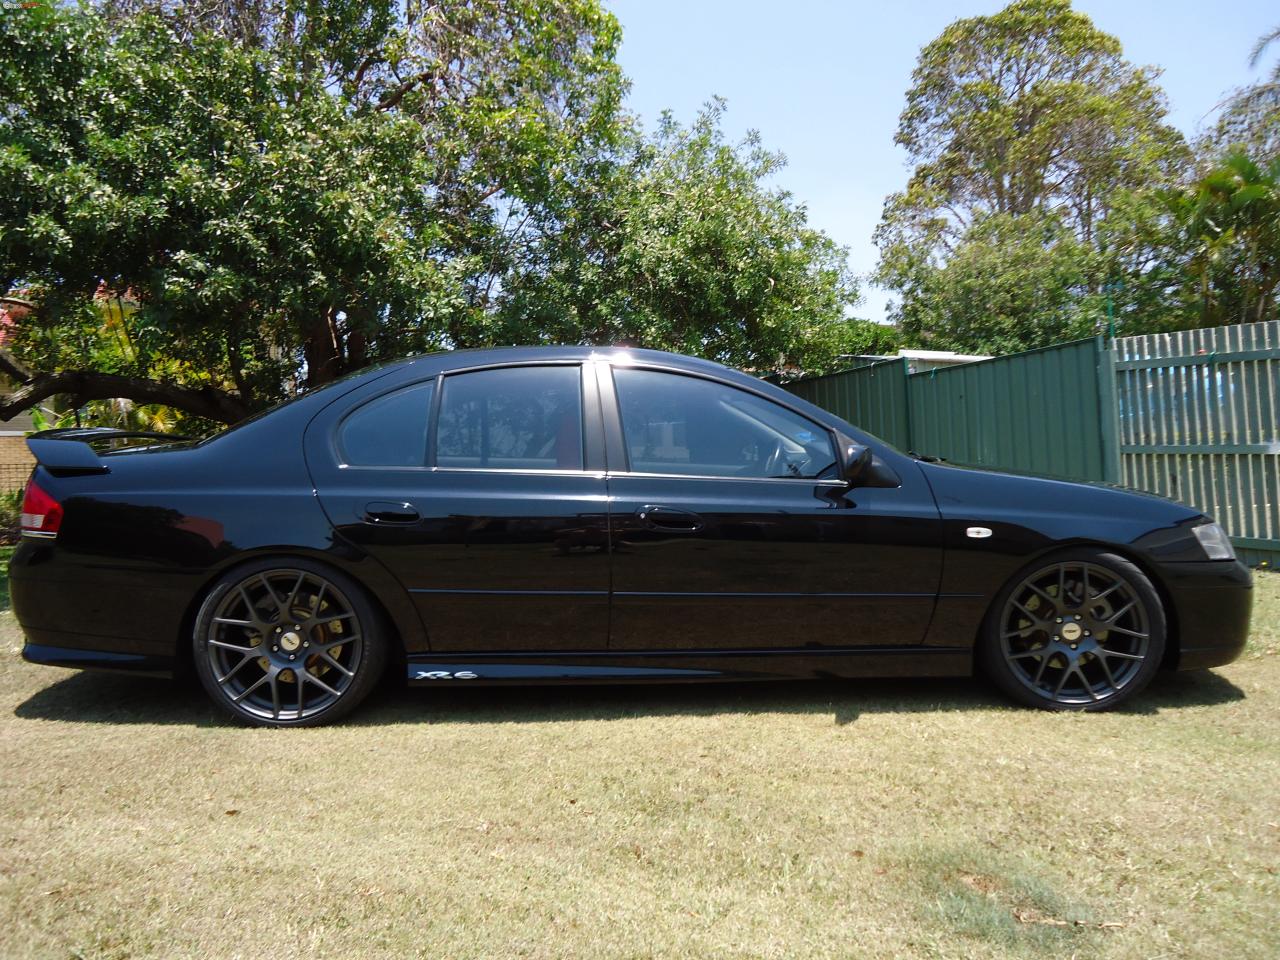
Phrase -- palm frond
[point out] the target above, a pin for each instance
(1260, 48)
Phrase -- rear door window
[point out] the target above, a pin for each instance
(511, 418)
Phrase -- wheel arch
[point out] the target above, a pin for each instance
(396, 629)
(1173, 636)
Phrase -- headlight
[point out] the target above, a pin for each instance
(1214, 541)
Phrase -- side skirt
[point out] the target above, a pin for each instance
(675, 666)
(136, 663)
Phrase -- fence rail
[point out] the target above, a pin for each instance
(1193, 415)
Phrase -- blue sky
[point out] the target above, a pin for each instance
(824, 81)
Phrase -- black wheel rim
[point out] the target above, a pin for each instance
(284, 645)
(1075, 633)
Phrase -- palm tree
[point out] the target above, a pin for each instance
(1251, 115)
(1260, 48)
(1232, 218)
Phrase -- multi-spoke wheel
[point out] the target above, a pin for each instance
(1083, 630)
(287, 645)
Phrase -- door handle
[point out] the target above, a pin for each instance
(669, 519)
(390, 511)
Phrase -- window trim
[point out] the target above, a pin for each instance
(612, 401)
(587, 423)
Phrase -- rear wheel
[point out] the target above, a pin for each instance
(287, 644)
(1082, 630)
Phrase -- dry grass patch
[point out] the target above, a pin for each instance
(869, 819)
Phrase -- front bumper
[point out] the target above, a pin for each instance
(1212, 605)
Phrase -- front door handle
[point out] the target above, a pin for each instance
(669, 519)
(390, 511)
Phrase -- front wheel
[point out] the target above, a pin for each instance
(287, 644)
(1082, 630)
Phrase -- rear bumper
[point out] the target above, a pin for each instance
(106, 614)
(1212, 605)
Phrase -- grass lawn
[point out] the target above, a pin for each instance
(869, 819)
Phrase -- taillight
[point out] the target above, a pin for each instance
(41, 514)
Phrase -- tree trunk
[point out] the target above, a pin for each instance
(323, 349)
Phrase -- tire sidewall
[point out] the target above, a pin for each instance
(373, 659)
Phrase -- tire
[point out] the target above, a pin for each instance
(1066, 654)
(288, 643)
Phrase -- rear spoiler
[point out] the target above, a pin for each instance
(67, 452)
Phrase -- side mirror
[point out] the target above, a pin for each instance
(859, 467)
(854, 459)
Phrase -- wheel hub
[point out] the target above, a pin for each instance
(1076, 652)
(290, 641)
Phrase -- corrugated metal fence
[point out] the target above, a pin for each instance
(1036, 411)
(873, 397)
(1192, 415)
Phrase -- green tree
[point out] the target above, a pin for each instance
(1026, 125)
(235, 204)
(1226, 237)
(677, 241)
(288, 190)
(506, 95)
(1014, 282)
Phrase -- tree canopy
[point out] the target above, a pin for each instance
(216, 204)
(284, 191)
(1250, 118)
(1049, 198)
(676, 240)
(1026, 126)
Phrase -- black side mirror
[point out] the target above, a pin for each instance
(854, 459)
(859, 467)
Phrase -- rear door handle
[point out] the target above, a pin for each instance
(390, 511)
(669, 519)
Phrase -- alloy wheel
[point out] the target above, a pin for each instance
(284, 645)
(1075, 633)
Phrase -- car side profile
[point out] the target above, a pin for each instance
(576, 514)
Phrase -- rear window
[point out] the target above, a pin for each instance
(512, 418)
(388, 431)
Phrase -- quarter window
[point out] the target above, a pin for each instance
(513, 418)
(388, 431)
(687, 425)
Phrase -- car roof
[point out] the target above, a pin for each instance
(459, 359)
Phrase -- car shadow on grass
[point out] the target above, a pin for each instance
(120, 699)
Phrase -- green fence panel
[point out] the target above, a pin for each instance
(872, 398)
(1037, 412)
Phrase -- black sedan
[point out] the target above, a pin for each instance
(582, 515)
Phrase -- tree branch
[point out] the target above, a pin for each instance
(10, 366)
(393, 97)
(87, 385)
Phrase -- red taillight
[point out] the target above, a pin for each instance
(41, 514)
